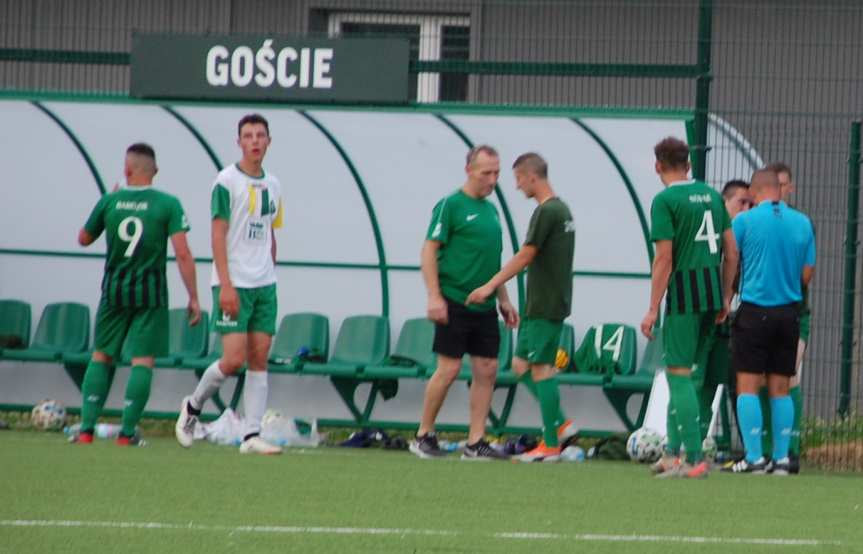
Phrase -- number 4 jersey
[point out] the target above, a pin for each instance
(137, 220)
(252, 206)
(693, 217)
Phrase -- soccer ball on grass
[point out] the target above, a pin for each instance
(48, 415)
(644, 445)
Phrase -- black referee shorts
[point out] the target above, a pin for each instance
(764, 339)
(468, 331)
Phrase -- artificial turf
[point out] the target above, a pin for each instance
(57, 497)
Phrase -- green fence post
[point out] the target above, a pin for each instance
(850, 283)
(702, 88)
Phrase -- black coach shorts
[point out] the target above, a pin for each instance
(468, 331)
(764, 340)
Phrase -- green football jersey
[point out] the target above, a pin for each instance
(549, 275)
(137, 222)
(470, 235)
(693, 217)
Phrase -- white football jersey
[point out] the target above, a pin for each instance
(253, 207)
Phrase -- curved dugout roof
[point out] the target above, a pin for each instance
(358, 184)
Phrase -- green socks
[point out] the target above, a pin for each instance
(685, 403)
(526, 379)
(705, 406)
(794, 393)
(767, 426)
(672, 445)
(94, 388)
(137, 394)
(549, 403)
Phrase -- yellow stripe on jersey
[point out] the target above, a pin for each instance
(252, 200)
(277, 222)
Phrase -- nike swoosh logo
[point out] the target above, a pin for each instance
(471, 217)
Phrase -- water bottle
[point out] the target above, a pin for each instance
(572, 454)
(72, 430)
(107, 430)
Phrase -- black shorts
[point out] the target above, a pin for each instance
(468, 331)
(764, 340)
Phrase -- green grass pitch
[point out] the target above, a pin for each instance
(57, 497)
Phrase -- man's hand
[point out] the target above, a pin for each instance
(723, 313)
(648, 322)
(510, 314)
(193, 310)
(437, 310)
(229, 301)
(479, 295)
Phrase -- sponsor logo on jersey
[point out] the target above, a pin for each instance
(471, 217)
(132, 206)
(569, 226)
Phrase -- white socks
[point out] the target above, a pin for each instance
(209, 384)
(254, 400)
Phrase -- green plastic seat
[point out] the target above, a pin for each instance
(570, 375)
(608, 349)
(651, 362)
(15, 318)
(412, 356)
(64, 327)
(308, 331)
(200, 363)
(184, 341)
(504, 355)
(363, 340)
(622, 387)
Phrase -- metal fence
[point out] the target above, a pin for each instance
(787, 75)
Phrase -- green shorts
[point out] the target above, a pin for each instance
(718, 364)
(805, 323)
(258, 307)
(687, 340)
(538, 340)
(146, 329)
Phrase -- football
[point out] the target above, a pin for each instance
(48, 415)
(644, 445)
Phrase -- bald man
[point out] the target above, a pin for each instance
(777, 249)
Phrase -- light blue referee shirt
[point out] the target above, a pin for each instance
(775, 242)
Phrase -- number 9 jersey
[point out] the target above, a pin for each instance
(137, 221)
(693, 217)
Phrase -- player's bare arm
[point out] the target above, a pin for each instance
(186, 265)
(273, 247)
(229, 302)
(507, 310)
(808, 274)
(730, 264)
(659, 276)
(437, 311)
(513, 267)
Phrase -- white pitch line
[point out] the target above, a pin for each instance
(321, 530)
(668, 538)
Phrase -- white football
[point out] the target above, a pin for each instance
(644, 445)
(48, 415)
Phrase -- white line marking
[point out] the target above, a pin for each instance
(316, 530)
(667, 538)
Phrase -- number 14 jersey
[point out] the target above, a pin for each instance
(693, 217)
(137, 221)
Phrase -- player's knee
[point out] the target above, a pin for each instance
(101, 357)
(485, 370)
(231, 364)
(447, 373)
